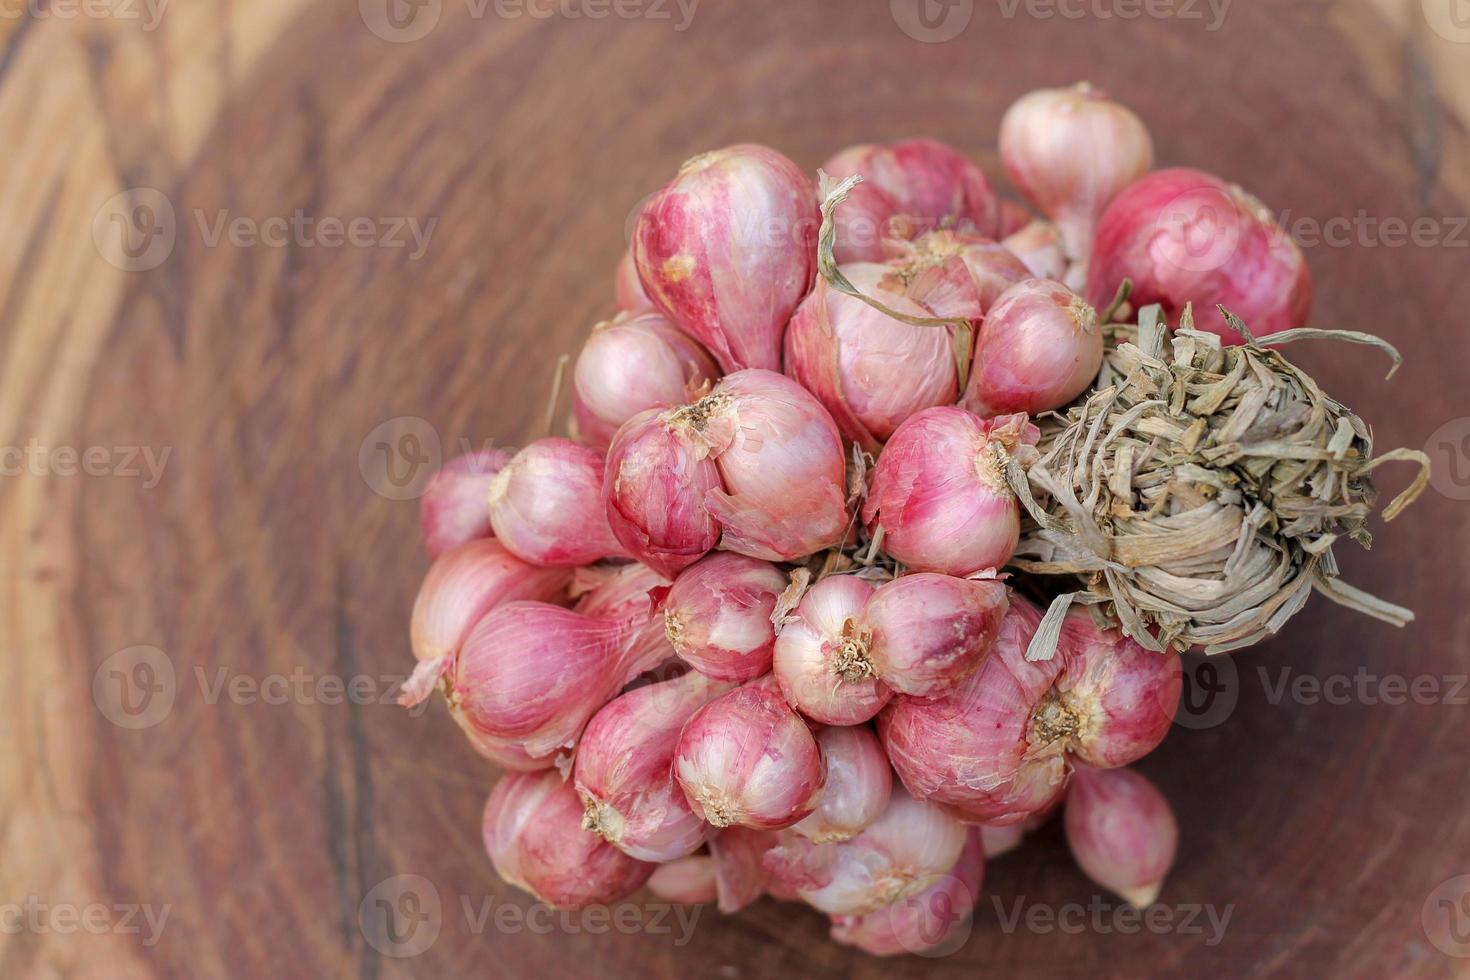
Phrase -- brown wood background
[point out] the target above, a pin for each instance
(265, 550)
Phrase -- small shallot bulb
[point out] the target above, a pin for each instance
(631, 364)
(930, 632)
(718, 613)
(1039, 348)
(908, 188)
(925, 264)
(1122, 832)
(533, 833)
(1001, 839)
(628, 288)
(686, 881)
(546, 505)
(1039, 246)
(654, 489)
(906, 851)
(740, 875)
(746, 758)
(1184, 236)
(728, 250)
(781, 461)
(925, 923)
(940, 494)
(1071, 152)
(822, 655)
(453, 509)
(999, 747)
(868, 369)
(859, 784)
(623, 770)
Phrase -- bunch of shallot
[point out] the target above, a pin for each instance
(749, 632)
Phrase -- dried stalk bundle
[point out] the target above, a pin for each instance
(1197, 494)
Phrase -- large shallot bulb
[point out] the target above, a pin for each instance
(1121, 831)
(822, 661)
(631, 364)
(728, 250)
(928, 633)
(924, 923)
(546, 505)
(1184, 236)
(746, 758)
(533, 832)
(859, 784)
(623, 770)
(718, 614)
(1040, 347)
(908, 188)
(939, 492)
(453, 509)
(1071, 151)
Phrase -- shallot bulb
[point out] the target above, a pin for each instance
(939, 491)
(1040, 347)
(1121, 831)
(923, 923)
(908, 188)
(1184, 236)
(628, 288)
(533, 833)
(546, 505)
(998, 748)
(634, 363)
(728, 250)
(868, 369)
(925, 264)
(717, 615)
(1039, 246)
(687, 880)
(453, 509)
(746, 758)
(929, 633)
(623, 770)
(781, 462)
(740, 875)
(654, 488)
(907, 851)
(1001, 839)
(625, 594)
(822, 661)
(859, 784)
(1071, 152)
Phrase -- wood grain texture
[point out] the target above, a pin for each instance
(265, 551)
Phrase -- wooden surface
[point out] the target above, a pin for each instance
(272, 542)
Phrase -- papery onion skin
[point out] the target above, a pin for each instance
(631, 364)
(546, 505)
(923, 923)
(746, 758)
(940, 495)
(868, 369)
(908, 850)
(908, 188)
(1040, 347)
(930, 632)
(1039, 247)
(1122, 832)
(654, 489)
(821, 658)
(781, 462)
(453, 509)
(623, 770)
(628, 288)
(717, 615)
(728, 250)
(859, 785)
(532, 831)
(1071, 151)
(687, 881)
(1185, 236)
